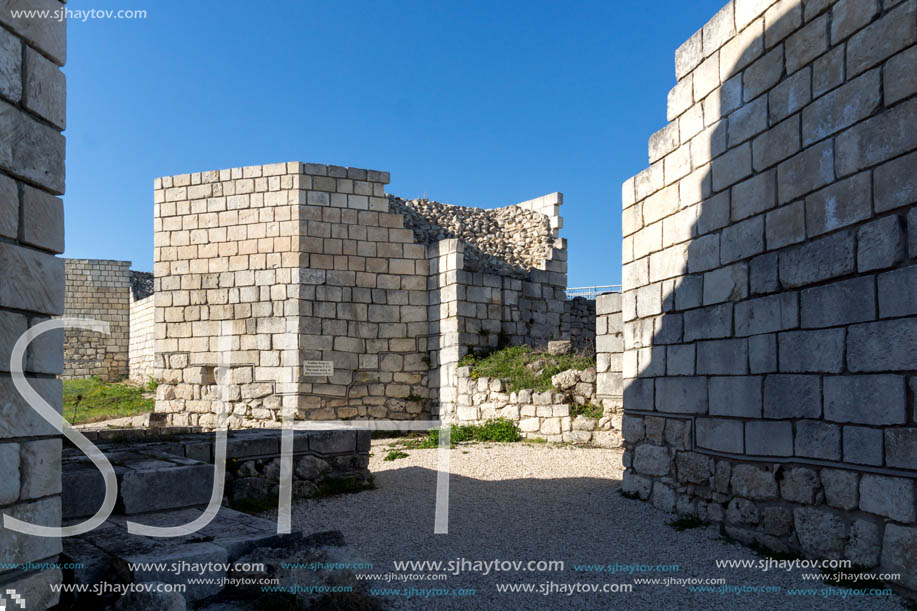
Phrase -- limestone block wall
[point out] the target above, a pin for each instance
(98, 289)
(769, 274)
(302, 262)
(609, 347)
(32, 116)
(578, 324)
(141, 348)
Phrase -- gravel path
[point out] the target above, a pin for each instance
(541, 502)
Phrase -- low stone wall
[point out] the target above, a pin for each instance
(148, 459)
(545, 415)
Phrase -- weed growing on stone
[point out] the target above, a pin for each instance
(588, 410)
(513, 365)
(629, 495)
(395, 455)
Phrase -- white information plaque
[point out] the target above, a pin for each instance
(318, 368)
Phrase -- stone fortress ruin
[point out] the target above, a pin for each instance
(296, 262)
(767, 360)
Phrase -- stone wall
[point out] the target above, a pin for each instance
(549, 415)
(101, 290)
(141, 348)
(769, 274)
(609, 346)
(32, 115)
(307, 262)
(577, 324)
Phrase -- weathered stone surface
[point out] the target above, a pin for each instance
(681, 395)
(805, 172)
(822, 533)
(811, 351)
(855, 100)
(9, 486)
(901, 447)
(862, 445)
(769, 438)
(816, 439)
(737, 396)
(754, 482)
(877, 139)
(883, 346)
(841, 488)
(742, 511)
(799, 485)
(652, 460)
(899, 553)
(864, 543)
(818, 260)
(694, 468)
(900, 80)
(838, 303)
(892, 497)
(792, 396)
(721, 435)
(893, 32)
(865, 399)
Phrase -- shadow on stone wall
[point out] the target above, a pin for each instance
(769, 199)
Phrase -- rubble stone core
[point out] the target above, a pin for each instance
(769, 271)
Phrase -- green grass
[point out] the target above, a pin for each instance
(589, 410)
(333, 486)
(510, 364)
(92, 400)
(499, 429)
(395, 455)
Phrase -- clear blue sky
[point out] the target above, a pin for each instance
(472, 103)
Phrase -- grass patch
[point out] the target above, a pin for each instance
(499, 429)
(589, 410)
(535, 440)
(686, 523)
(395, 455)
(92, 400)
(511, 364)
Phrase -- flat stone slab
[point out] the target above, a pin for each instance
(148, 480)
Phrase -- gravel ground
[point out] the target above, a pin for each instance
(542, 502)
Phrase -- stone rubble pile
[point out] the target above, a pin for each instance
(510, 241)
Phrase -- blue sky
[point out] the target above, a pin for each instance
(471, 103)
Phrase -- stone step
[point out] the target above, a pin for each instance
(110, 554)
(148, 480)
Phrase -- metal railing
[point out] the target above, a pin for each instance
(591, 292)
